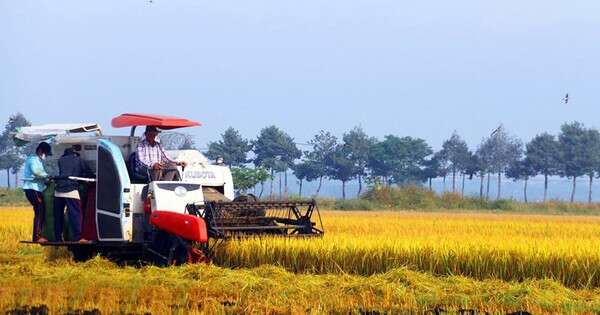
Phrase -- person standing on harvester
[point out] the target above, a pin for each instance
(152, 160)
(34, 184)
(67, 194)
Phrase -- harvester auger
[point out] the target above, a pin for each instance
(131, 218)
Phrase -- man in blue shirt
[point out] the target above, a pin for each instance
(34, 184)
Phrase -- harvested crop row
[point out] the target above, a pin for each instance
(62, 286)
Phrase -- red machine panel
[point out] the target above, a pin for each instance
(186, 226)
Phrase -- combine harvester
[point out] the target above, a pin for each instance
(129, 219)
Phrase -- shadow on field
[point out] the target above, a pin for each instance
(43, 310)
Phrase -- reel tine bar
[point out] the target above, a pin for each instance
(286, 218)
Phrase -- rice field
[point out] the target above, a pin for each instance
(481, 246)
(368, 262)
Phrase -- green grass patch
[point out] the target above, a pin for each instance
(12, 197)
(419, 198)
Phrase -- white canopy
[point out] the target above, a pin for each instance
(45, 132)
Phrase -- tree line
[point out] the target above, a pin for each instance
(12, 157)
(395, 160)
(392, 160)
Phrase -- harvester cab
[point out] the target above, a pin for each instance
(128, 217)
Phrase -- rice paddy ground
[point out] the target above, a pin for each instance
(371, 262)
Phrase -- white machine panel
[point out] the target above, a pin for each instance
(174, 196)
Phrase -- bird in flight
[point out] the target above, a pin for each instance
(496, 131)
(566, 98)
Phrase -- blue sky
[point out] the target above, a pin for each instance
(418, 68)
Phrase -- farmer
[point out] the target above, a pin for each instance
(67, 194)
(34, 184)
(152, 160)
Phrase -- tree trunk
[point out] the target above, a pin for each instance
(280, 185)
(16, 179)
(430, 189)
(590, 189)
(8, 177)
(462, 189)
(499, 185)
(300, 190)
(453, 179)
(285, 189)
(545, 186)
(272, 179)
(319, 187)
(359, 186)
(573, 190)
(525, 189)
(481, 177)
(343, 190)
(262, 189)
(487, 188)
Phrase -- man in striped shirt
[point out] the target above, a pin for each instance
(152, 160)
